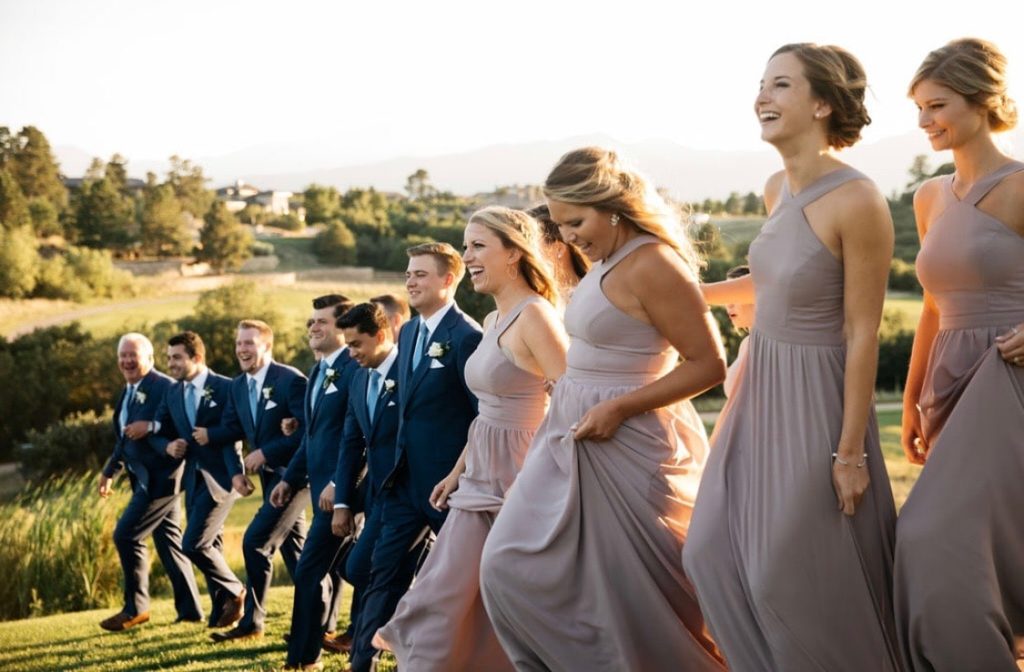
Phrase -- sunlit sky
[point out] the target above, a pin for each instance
(207, 77)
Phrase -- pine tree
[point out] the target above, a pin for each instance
(226, 244)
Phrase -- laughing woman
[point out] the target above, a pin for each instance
(441, 624)
(791, 542)
(960, 539)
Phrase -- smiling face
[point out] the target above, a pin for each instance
(487, 260)
(324, 337)
(133, 362)
(427, 285)
(368, 350)
(585, 227)
(180, 365)
(785, 105)
(252, 350)
(948, 118)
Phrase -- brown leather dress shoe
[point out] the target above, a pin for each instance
(340, 644)
(236, 633)
(233, 609)
(122, 621)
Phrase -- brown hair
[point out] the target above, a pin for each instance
(594, 177)
(517, 230)
(549, 231)
(191, 342)
(448, 260)
(837, 78)
(975, 69)
(394, 305)
(259, 325)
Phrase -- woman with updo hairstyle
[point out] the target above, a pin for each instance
(791, 543)
(960, 539)
(566, 260)
(580, 571)
(441, 624)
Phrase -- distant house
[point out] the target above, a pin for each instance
(274, 203)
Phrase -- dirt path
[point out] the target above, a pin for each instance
(88, 311)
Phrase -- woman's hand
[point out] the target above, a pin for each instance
(912, 437)
(599, 423)
(439, 496)
(850, 481)
(1011, 345)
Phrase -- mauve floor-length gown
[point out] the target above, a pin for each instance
(787, 582)
(581, 571)
(440, 625)
(960, 538)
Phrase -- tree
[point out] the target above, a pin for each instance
(36, 169)
(418, 185)
(45, 217)
(116, 171)
(734, 204)
(752, 204)
(189, 186)
(335, 244)
(19, 263)
(162, 222)
(253, 214)
(14, 212)
(322, 203)
(225, 243)
(104, 215)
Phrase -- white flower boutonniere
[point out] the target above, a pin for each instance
(438, 349)
(329, 377)
(267, 391)
(140, 397)
(207, 394)
(389, 385)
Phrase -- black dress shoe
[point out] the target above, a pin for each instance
(231, 611)
(236, 633)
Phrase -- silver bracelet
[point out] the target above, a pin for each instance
(859, 465)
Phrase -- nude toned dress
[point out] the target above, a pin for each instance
(960, 539)
(581, 571)
(441, 624)
(787, 582)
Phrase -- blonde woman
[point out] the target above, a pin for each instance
(440, 624)
(581, 571)
(960, 538)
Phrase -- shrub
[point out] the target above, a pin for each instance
(335, 244)
(80, 442)
(261, 248)
(288, 222)
(903, 277)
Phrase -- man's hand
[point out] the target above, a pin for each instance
(280, 495)
(201, 436)
(254, 461)
(137, 429)
(341, 522)
(177, 448)
(242, 485)
(327, 498)
(106, 486)
(289, 425)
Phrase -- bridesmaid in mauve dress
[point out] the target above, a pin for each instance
(580, 571)
(791, 542)
(441, 624)
(960, 538)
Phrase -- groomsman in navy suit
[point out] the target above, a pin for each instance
(316, 587)
(156, 481)
(265, 394)
(199, 397)
(436, 408)
(371, 430)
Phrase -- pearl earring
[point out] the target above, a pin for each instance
(614, 219)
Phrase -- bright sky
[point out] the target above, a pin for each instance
(207, 77)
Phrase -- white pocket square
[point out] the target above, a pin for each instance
(435, 364)
(331, 389)
(270, 404)
(391, 403)
(213, 404)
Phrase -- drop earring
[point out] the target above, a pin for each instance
(614, 219)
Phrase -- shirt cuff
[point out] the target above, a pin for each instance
(341, 506)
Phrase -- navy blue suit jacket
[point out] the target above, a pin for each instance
(317, 457)
(149, 466)
(220, 460)
(369, 441)
(287, 388)
(436, 405)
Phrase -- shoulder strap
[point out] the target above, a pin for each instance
(624, 251)
(989, 182)
(506, 320)
(825, 184)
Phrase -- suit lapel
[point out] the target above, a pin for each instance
(362, 416)
(406, 343)
(309, 396)
(382, 401)
(440, 335)
(264, 398)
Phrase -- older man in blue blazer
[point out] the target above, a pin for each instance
(199, 397)
(316, 588)
(436, 408)
(261, 397)
(156, 482)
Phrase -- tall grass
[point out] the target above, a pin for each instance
(57, 550)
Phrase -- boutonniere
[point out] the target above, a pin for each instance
(140, 397)
(329, 377)
(267, 391)
(389, 385)
(438, 349)
(207, 394)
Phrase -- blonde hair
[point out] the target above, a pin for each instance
(448, 260)
(517, 230)
(975, 69)
(259, 325)
(594, 177)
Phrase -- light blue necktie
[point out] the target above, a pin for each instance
(318, 383)
(373, 392)
(190, 403)
(128, 398)
(252, 398)
(421, 345)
